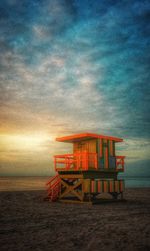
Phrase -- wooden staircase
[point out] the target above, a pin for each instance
(53, 188)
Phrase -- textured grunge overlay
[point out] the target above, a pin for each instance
(70, 66)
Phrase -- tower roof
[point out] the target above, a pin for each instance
(86, 136)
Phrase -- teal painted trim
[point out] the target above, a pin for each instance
(114, 148)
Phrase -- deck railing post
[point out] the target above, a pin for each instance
(120, 161)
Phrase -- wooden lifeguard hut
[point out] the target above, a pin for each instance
(90, 170)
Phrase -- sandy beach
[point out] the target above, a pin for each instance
(29, 223)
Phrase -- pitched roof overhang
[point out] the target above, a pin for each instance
(86, 136)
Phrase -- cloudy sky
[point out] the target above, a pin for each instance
(70, 66)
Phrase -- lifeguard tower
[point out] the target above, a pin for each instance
(92, 169)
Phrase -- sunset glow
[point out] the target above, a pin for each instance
(24, 142)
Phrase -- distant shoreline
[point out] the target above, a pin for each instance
(27, 183)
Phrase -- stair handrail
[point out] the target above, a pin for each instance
(54, 185)
(52, 179)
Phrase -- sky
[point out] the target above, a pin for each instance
(71, 66)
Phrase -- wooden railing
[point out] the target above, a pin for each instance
(120, 163)
(76, 161)
(82, 161)
(53, 188)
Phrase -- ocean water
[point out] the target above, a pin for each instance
(22, 183)
(135, 181)
(39, 183)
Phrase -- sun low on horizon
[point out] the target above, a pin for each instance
(69, 67)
